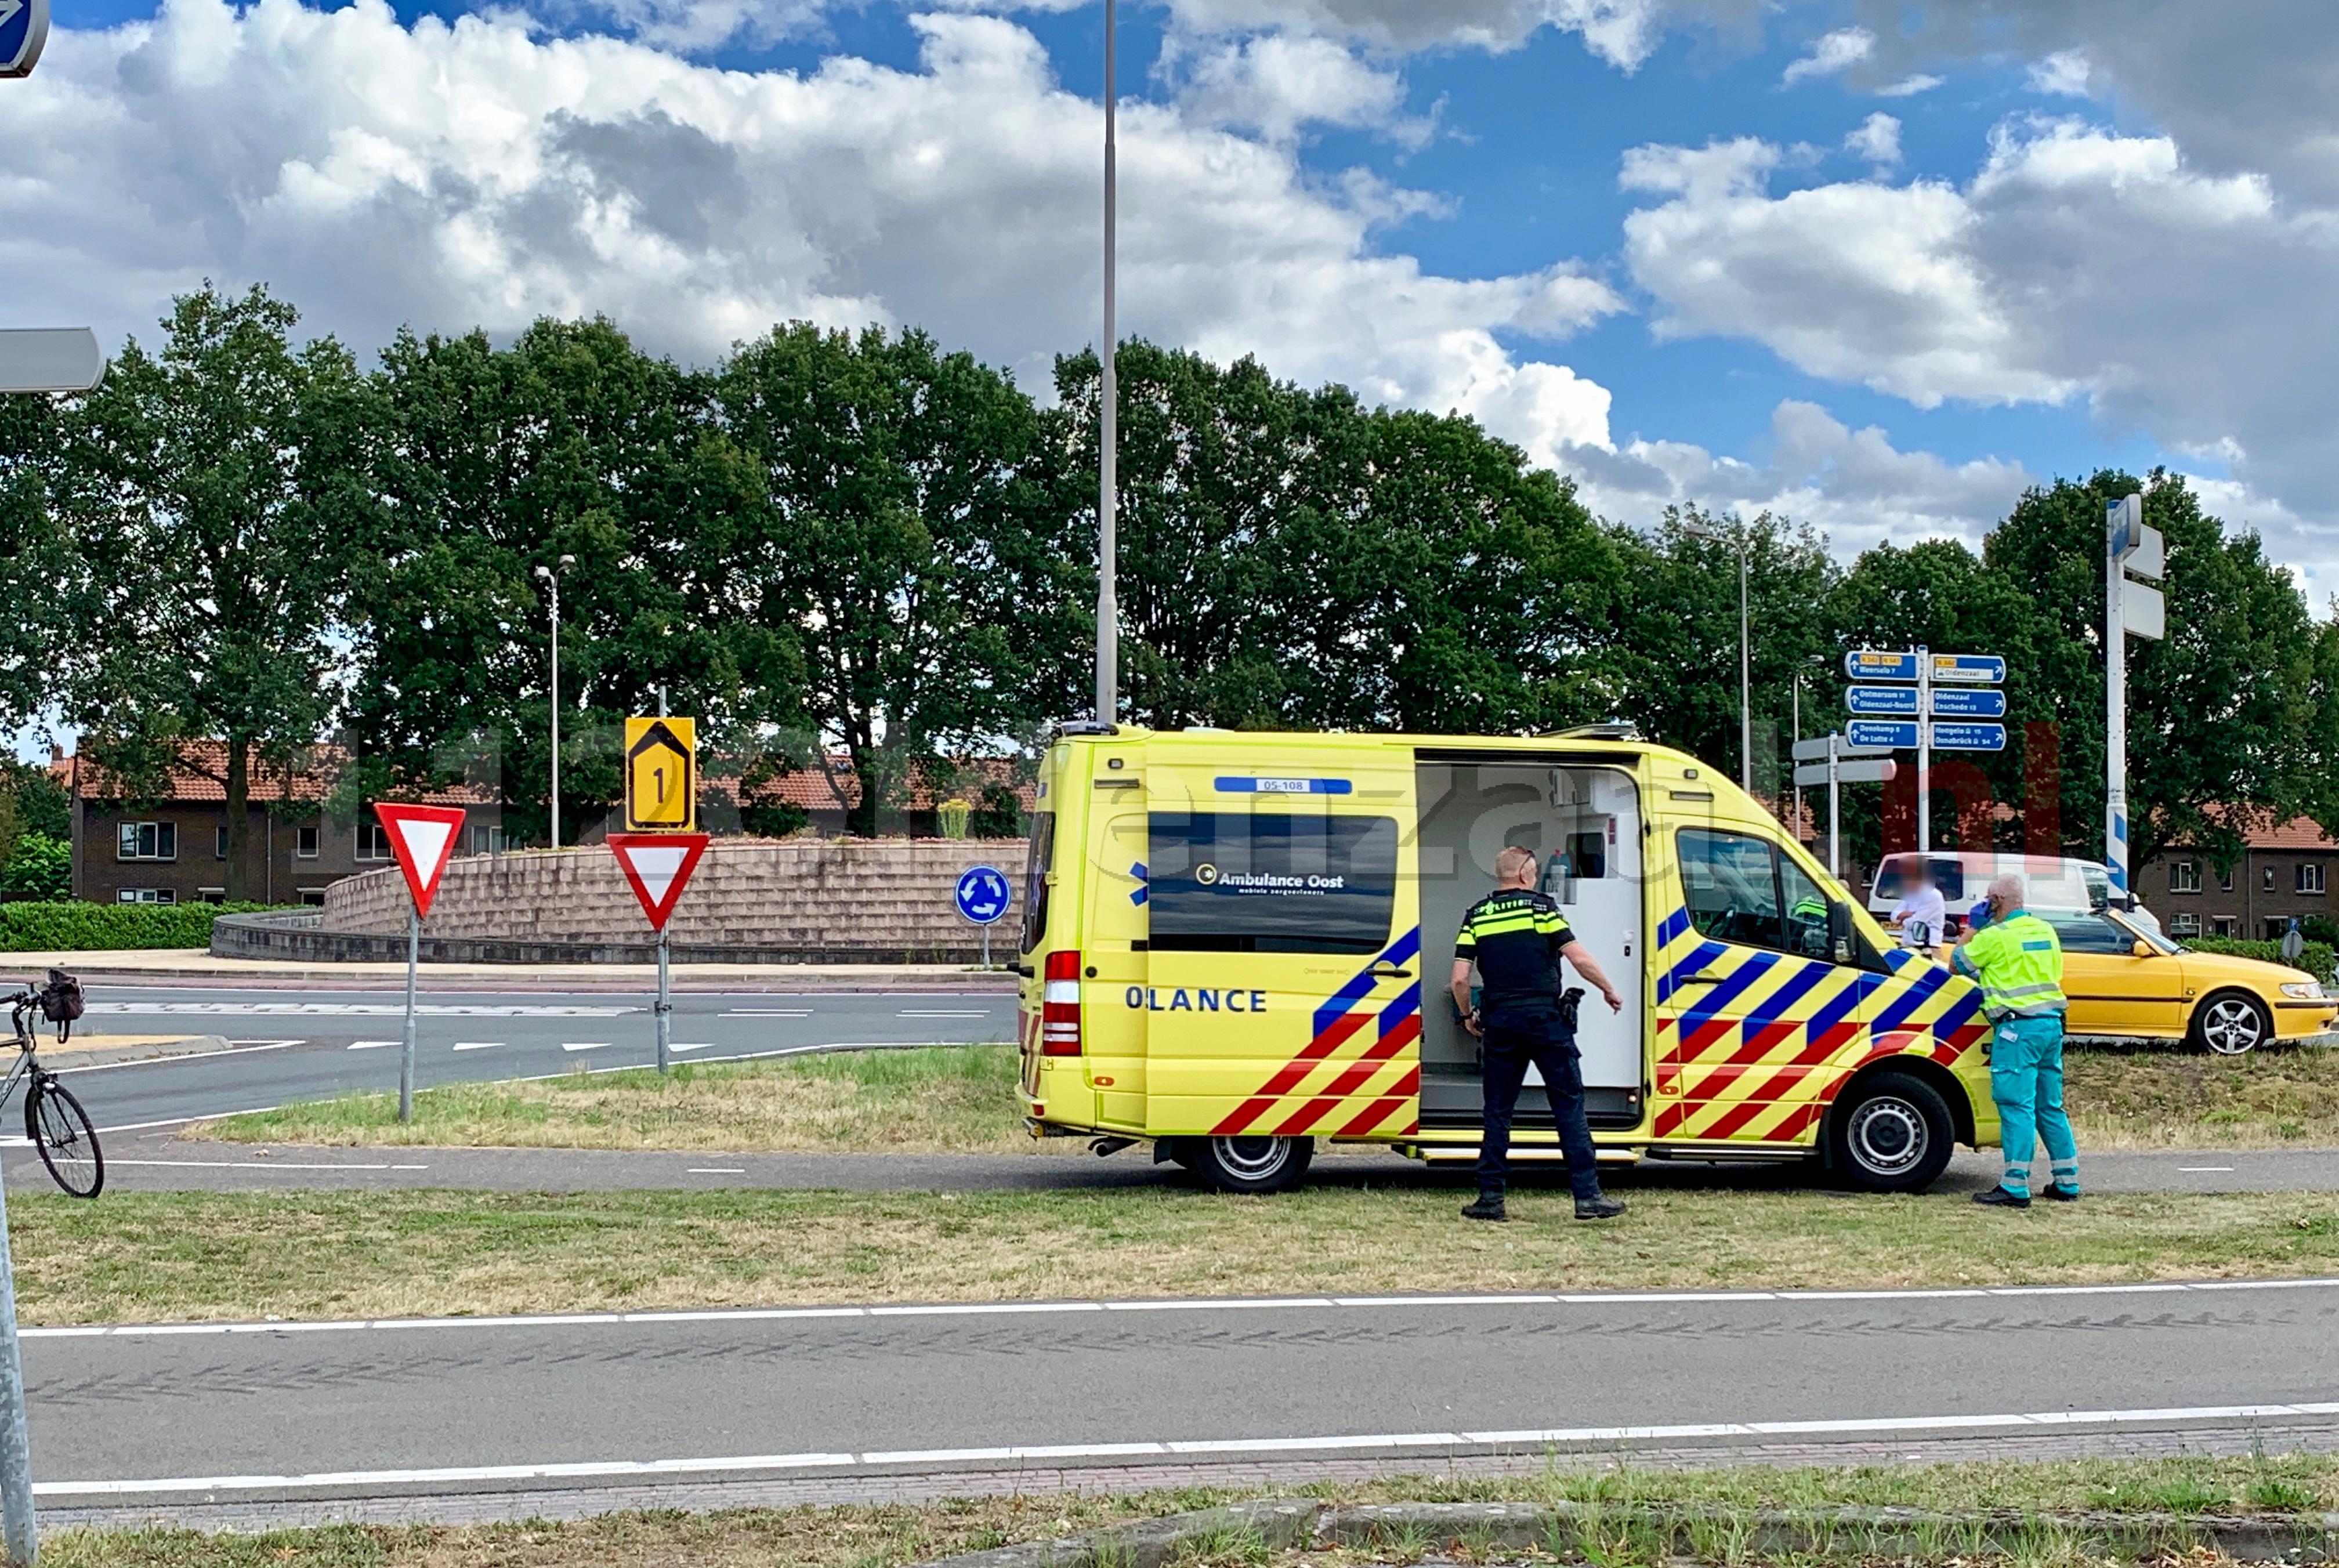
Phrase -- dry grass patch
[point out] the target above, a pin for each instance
(2161, 1097)
(945, 1099)
(896, 1535)
(146, 1257)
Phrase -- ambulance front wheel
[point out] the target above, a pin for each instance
(1249, 1164)
(1891, 1132)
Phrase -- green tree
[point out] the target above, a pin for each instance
(39, 572)
(214, 492)
(908, 540)
(38, 866)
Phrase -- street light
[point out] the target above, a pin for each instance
(1108, 625)
(1745, 671)
(552, 578)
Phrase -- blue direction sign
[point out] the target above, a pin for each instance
(1881, 700)
(1981, 669)
(1969, 737)
(1869, 664)
(1968, 703)
(24, 28)
(1895, 734)
(982, 893)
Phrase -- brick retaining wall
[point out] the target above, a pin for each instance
(839, 900)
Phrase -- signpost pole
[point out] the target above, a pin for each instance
(17, 1524)
(1107, 622)
(1835, 808)
(1924, 751)
(406, 1057)
(665, 1008)
(2115, 548)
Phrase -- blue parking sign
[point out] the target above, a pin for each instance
(24, 28)
(984, 894)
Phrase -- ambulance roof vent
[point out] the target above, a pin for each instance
(1613, 730)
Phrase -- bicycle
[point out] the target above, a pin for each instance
(54, 1119)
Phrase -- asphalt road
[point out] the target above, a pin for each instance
(312, 1044)
(255, 1411)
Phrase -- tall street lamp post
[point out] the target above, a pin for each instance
(551, 576)
(1108, 626)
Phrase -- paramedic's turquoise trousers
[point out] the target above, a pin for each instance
(2026, 1078)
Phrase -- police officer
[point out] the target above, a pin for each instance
(2018, 960)
(1516, 937)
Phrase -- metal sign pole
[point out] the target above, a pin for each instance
(665, 1007)
(2116, 546)
(1924, 751)
(406, 1057)
(1108, 625)
(17, 1523)
(1835, 809)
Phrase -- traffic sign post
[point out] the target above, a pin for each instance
(1949, 737)
(422, 838)
(1930, 686)
(2130, 608)
(982, 895)
(657, 867)
(1868, 700)
(1843, 761)
(1883, 734)
(1968, 703)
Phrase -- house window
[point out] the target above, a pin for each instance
(218, 842)
(486, 841)
(2274, 928)
(145, 895)
(2225, 925)
(149, 841)
(304, 842)
(2310, 876)
(2226, 879)
(2185, 876)
(2185, 924)
(313, 897)
(373, 843)
(212, 894)
(2269, 878)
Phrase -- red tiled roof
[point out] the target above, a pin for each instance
(812, 789)
(2300, 832)
(202, 776)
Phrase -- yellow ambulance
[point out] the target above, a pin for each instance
(1238, 944)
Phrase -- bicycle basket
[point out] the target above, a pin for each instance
(60, 999)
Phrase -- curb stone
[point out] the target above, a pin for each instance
(1699, 1533)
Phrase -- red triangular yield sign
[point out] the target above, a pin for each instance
(423, 839)
(658, 864)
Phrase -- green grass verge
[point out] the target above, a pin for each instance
(144, 1256)
(895, 1535)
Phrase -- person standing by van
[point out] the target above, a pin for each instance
(2018, 960)
(1921, 910)
(1516, 937)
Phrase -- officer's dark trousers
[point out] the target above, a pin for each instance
(1514, 1038)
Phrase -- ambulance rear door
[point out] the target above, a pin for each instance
(1283, 989)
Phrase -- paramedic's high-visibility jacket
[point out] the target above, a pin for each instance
(2020, 962)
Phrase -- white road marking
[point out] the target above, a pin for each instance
(1190, 1304)
(716, 1171)
(936, 1012)
(171, 1060)
(769, 1012)
(354, 1009)
(2204, 1170)
(584, 1045)
(263, 1165)
(694, 1045)
(256, 1042)
(374, 1044)
(1898, 1425)
(479, 1045)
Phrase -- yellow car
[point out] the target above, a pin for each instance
(2126, 981)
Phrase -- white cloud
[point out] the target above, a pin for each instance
(2063, 74)
(1278, 83)
(1621, 32)
(1910, 86)
(2196, 309)
(1877, 139)
(476, 173)
(1833, 54)
(1854, 485)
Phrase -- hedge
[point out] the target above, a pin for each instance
(64, 926)
(2316, 958)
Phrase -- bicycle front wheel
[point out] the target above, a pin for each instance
(60, 1129)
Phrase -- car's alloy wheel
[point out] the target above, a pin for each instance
(1250, 1164)
(2232, 1024)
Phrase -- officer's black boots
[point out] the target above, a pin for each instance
(1599, 1208)
(1489, 1206)
(1999, 1197)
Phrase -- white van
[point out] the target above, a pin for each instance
(1964, 877)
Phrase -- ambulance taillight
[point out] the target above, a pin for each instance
(1059, 1006)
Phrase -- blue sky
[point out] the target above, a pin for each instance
(1631, 235)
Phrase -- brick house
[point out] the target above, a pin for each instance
(174, 850)
(2286, 871)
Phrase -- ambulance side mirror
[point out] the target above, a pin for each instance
(1840, 933)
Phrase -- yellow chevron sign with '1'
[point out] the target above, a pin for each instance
(661, 775)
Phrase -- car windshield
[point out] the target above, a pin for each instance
(2145, 932)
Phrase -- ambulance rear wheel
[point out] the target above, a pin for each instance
(1249, 1164)
(1891, 1133)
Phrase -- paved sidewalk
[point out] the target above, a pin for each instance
(164, 1162)
(174, 965)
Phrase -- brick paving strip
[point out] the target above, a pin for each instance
(487, 1504)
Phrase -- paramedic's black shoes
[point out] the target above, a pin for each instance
(1999, 1197)
(1599, 1208)
(2062, 1194)
(1489, 1206)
